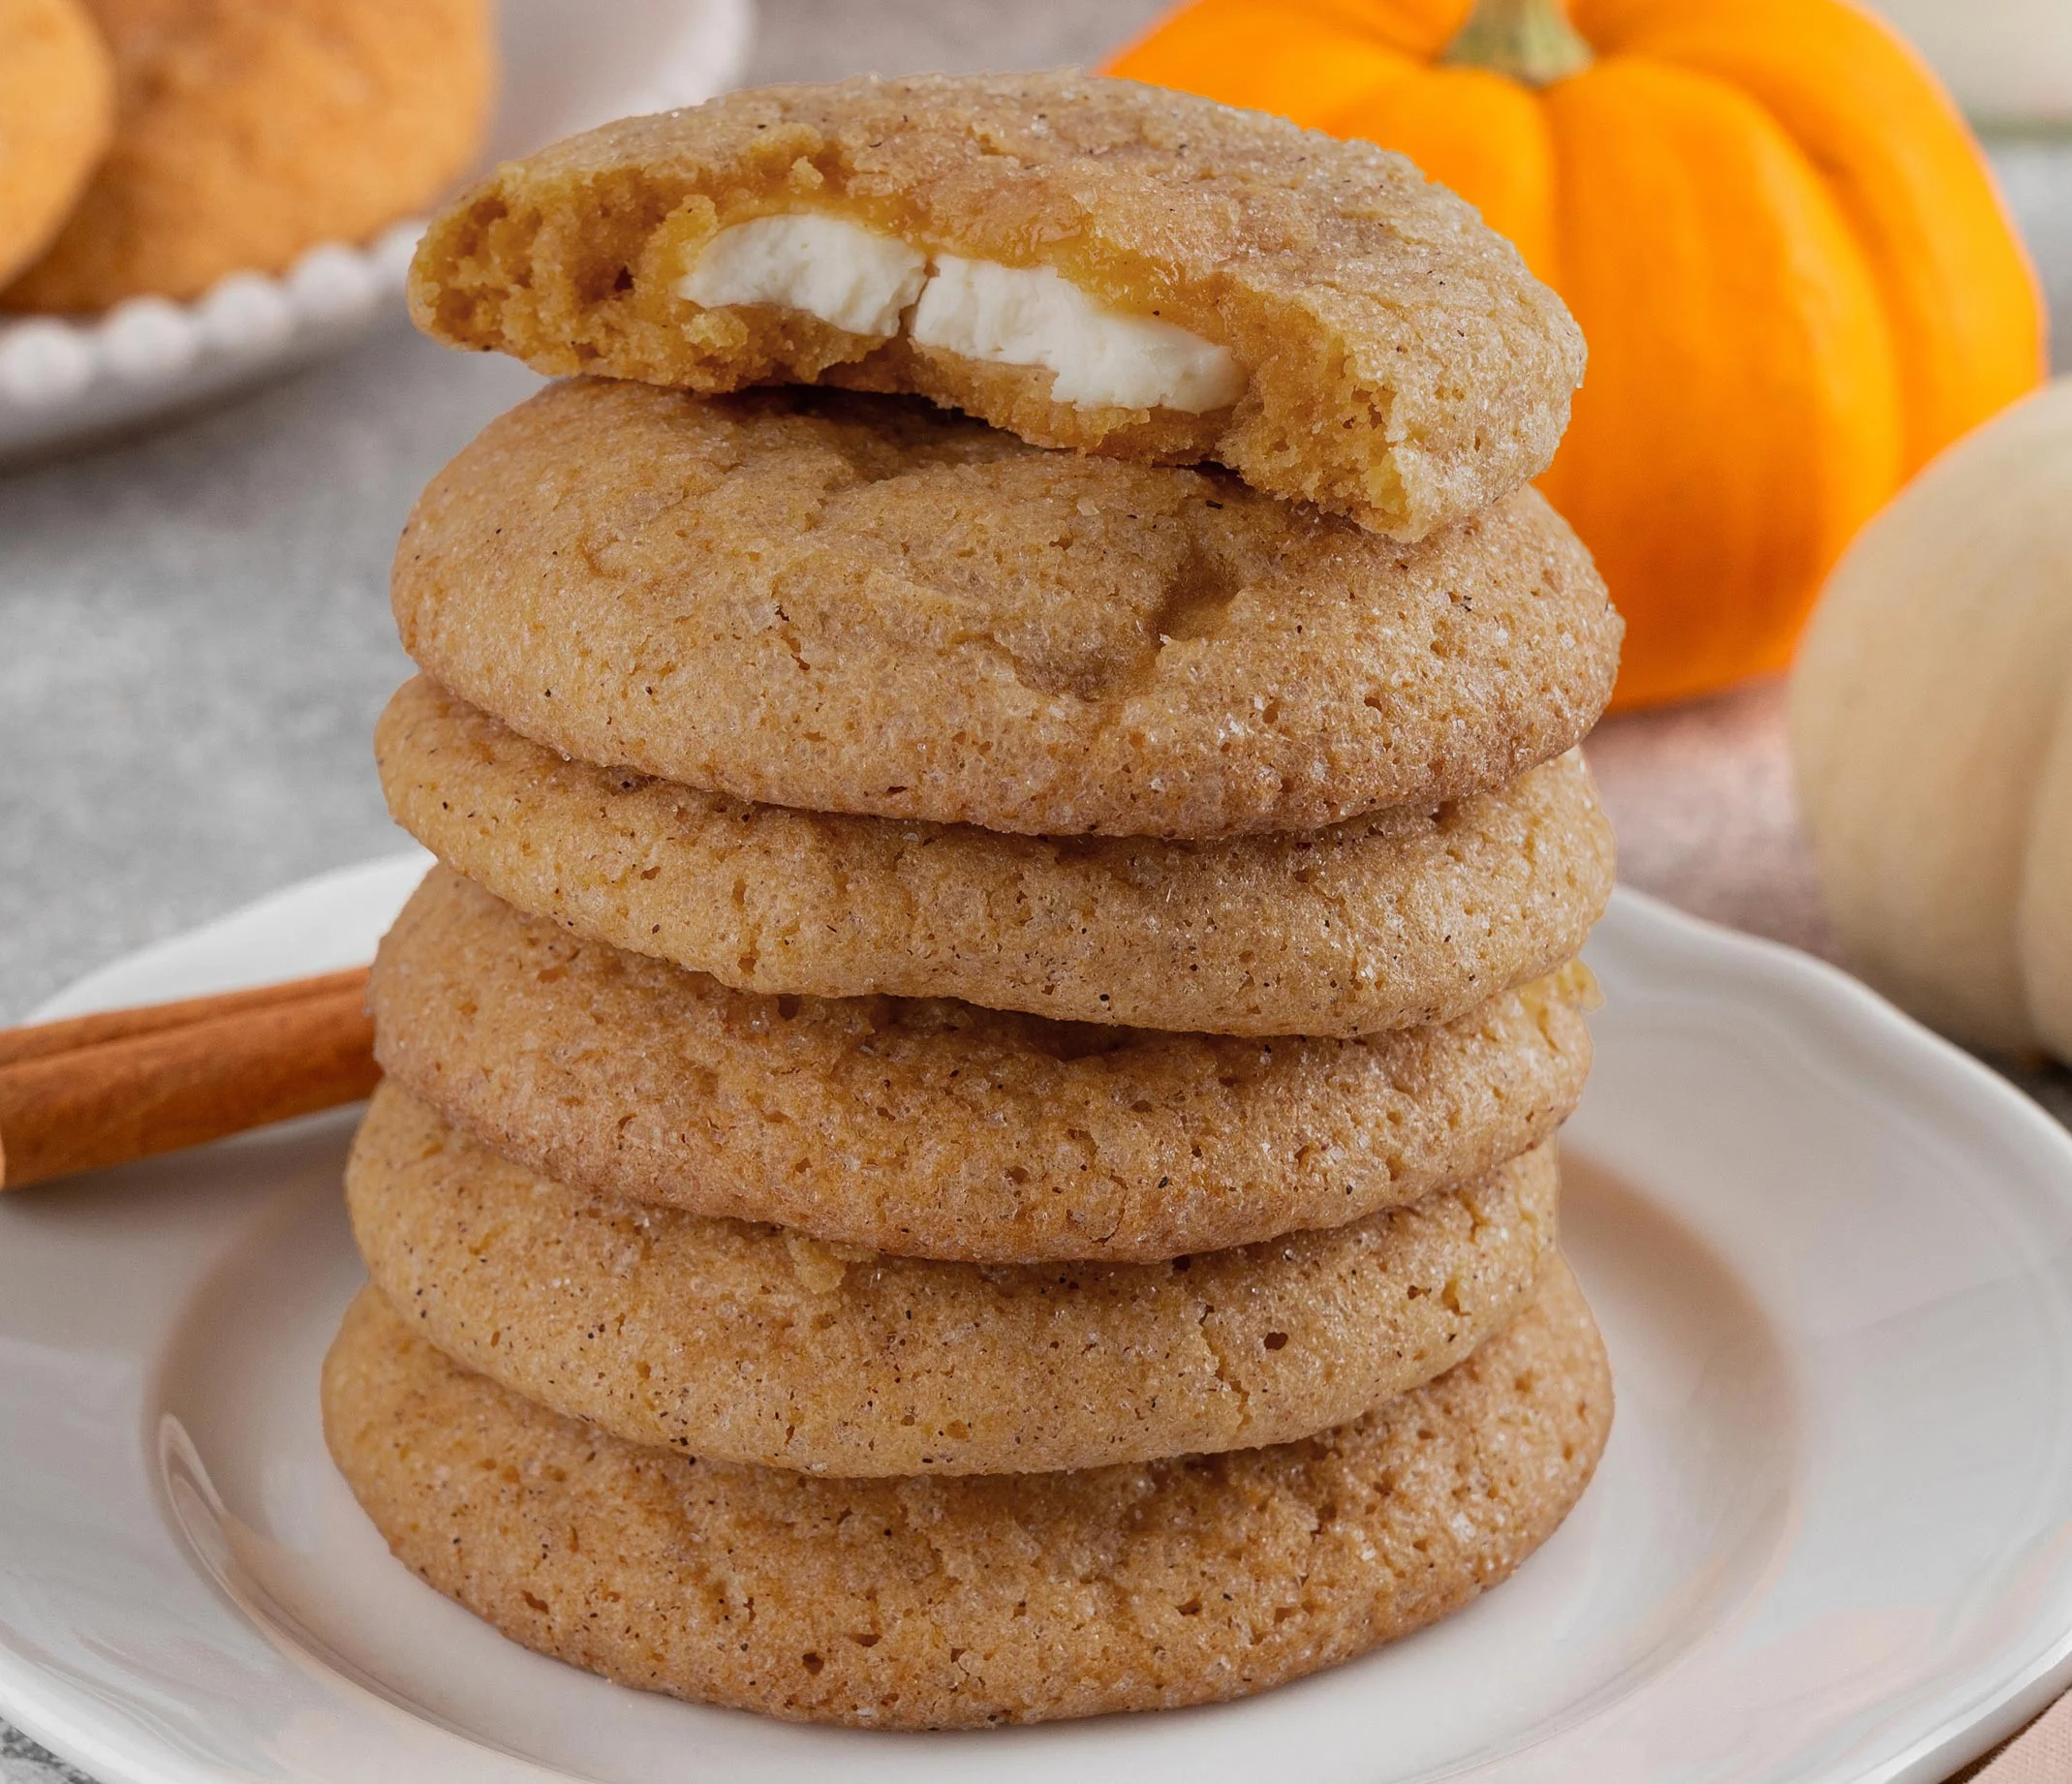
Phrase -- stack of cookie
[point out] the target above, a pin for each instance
(968, 1130)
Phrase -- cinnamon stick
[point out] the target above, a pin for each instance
(38, 1041)
(234, 1063)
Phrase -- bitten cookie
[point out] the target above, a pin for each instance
(939, 1129)
(1091, 263)
(1408, 916)
(759, 1344)
(858, 604)
(957, 1603)
(57, 111)
(247, 130)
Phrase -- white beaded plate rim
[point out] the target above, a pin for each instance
(1831, 1539)
(565, 69)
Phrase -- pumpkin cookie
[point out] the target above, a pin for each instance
(57, 109)
(937, 1129)
(1408, 916)
(247, 130)
(858, 604)
(957, 1603)
(1090, 262)
(757, 1343)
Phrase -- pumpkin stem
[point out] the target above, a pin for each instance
(1529, 40)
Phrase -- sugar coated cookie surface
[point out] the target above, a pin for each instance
(862, 604)
(966, 1601)
(937, 1130)
(756, 1343)
(247, 130)
(1090, 262)
(57, 111)
(1411, 915)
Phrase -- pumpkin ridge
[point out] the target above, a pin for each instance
(1186, 46)
(1417, 28)
(1929, 724)
(1798, 390)
(1934, 324)
(1951, 377)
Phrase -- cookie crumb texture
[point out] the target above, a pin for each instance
(753, 1343)
(1410, 915)
(860, 604)
(1401, 364)
(931, 1128)
(57, 109)
(960, 1603)
(247, 130)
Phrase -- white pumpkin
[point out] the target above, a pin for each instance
(1932, 733)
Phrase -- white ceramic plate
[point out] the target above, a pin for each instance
(566, 68)
(1832, 1538)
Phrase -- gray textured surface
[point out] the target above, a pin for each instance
(24, 1762)
(193, 631)
(195, 643)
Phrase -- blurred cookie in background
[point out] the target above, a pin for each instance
(57, 111)
(247, 130)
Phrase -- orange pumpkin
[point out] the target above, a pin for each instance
(1797, 280)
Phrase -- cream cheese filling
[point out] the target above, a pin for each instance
(851, 278)
(864, 282)
(1103, 358)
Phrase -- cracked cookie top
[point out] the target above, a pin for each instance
(1410, 915)
(864, 604)
(971, 1600)
(724, 1339)
(927, 1128)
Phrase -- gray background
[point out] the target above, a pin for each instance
(195, 635)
